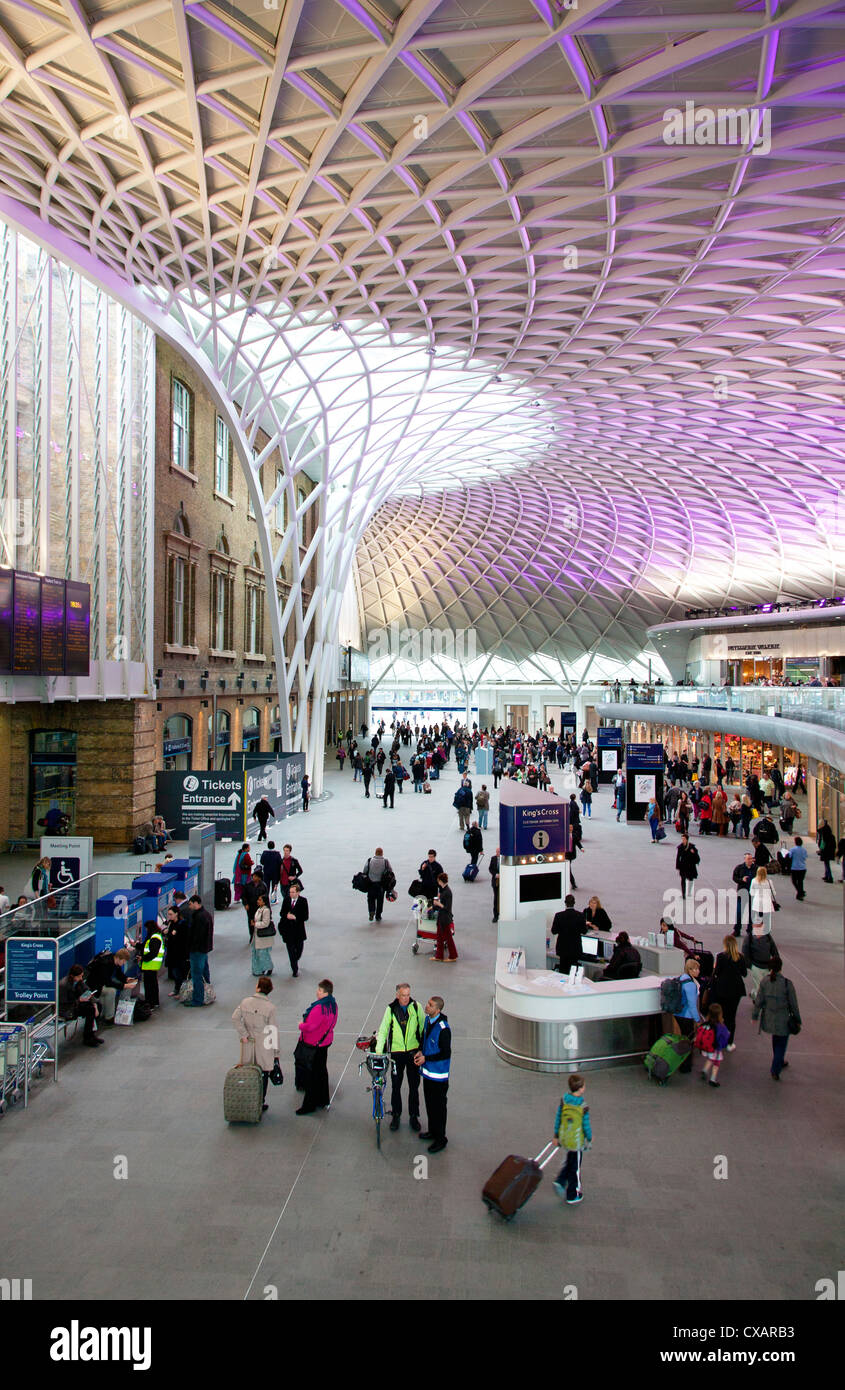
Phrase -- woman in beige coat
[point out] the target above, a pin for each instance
(255, 1021)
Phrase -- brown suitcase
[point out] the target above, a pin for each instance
(514, 1181)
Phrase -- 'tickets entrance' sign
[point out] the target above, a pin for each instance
(186, 799)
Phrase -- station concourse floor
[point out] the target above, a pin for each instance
(305, 1207)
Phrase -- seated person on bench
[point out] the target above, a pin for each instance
(625, 963)
(76, 1001)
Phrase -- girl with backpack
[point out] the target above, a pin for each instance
(712, 1038)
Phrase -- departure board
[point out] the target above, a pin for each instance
(45, 625)
(52, 627)
(7, 583)
(77, 629)
(26, 632)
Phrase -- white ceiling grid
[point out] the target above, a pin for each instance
(491, 181)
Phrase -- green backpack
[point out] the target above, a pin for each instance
(572, 1126)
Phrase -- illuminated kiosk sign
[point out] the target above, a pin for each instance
(532, 823)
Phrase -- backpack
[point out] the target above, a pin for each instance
(571, 1131)
(466, 840)
(671, 995)
(705, 1038)
(35, 879)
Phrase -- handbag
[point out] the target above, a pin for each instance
(304, 1053)
(269, 930)
(793, 1027)
(276, 1077)
(660, 833)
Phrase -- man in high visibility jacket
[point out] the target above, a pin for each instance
(400, 1033)
(152, 958)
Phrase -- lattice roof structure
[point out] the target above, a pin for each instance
(524, 190)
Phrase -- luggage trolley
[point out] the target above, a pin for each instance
(14, 1076)
(425, 930)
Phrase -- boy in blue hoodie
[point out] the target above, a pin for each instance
(573, 1133)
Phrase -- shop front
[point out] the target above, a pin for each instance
(177, 743)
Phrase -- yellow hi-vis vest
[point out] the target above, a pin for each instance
(154, 962)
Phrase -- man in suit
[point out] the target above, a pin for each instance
(568, 926)
(292, 926)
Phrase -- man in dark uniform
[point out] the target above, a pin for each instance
(568, 926)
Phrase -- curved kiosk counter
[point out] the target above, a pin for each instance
(542, 1023)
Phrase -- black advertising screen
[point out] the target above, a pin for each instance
(26, 638)
(7, 584)
(540, 888)
(77, 629)
(52, 627)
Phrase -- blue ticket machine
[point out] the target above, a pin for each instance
(187, 875)
(118, 914)
(157, 890)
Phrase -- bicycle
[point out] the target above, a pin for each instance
(378, 1065)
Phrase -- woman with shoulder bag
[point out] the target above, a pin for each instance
(255, 1021)
(727, 984)
(262, 938)
(776, 1005)
(311, 1053)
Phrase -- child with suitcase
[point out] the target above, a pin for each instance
(712, 1037)
(573, 1132)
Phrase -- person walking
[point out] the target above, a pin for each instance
(727, 985)
(762, 898)
(262, 812)
(688, 1017)
(305, 784)
(292, 921)
(271, 868)
(759, 950)
(400, 1033)
(428, 873)
(776, 1006)
(742, 876)
(434, 1061)
(152, 959)
(797, 858)
(573, 1133)
(494, 879)
(200, 944)
(687, 860)
(714, 1055)
(653, 818)
(368, 776)
(389, 789)
(445, 923)
(621, 793)
(256, 1025)
(317, 1031)
(474, 842)
(376, 868)
(826, 841)
(242, 871)
(587, 799)
(482, 802)
(264, 931)
(249, 897)
(462, 802)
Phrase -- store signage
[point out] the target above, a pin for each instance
(175, 746)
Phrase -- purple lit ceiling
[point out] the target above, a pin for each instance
(496, 177)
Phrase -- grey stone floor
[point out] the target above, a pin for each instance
(305, 1207)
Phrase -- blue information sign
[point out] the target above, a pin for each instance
(32, 970)
(644, 757)
(567, 721)
(609, 736)
(532, 830)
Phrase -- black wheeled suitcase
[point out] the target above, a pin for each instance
(222, 894)
(514, 1181)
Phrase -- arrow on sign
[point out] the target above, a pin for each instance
(234, 801)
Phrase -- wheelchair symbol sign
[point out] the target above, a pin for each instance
(540, 839)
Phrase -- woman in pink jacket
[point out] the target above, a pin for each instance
(317, 1031)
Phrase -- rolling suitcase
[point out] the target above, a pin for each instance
(222, 894)
(243, 1090)
(514, 1181)
(470, 873)
(666, 1056)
